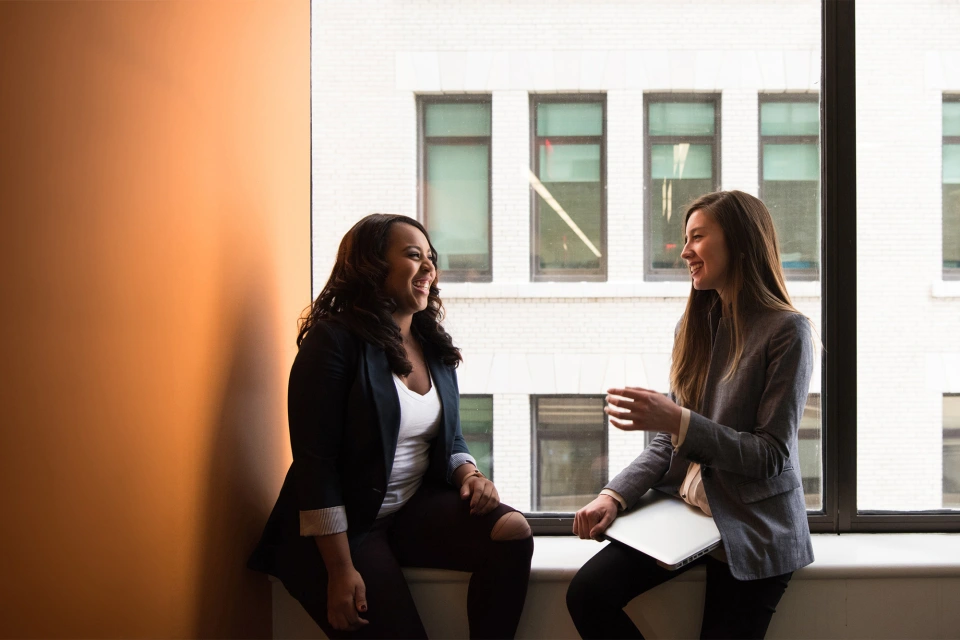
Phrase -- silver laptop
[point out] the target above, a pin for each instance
(667, 529)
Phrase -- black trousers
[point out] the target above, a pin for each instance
(617, 574)
(434, 529)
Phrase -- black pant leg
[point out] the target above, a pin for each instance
(740, 609)
(435, 529)
(391, 611)
(606, 583)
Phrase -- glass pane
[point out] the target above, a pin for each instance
(457, 205)
(951, 118)
(569, 162)
(682, 161)
(571, 176)
(570, 119)
(907, 334)
(951, 226)
(682, 119)
(681, 174)
(791, 162)
(951, 452)
(951, 163)
(571, 437)
(476, 423)
(790, 119)
(465, 119)
(811, 459)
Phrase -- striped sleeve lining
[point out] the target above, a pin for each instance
(458, 459)
(323, 522)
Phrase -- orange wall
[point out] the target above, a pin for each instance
(155, 254)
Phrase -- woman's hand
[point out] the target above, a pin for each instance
(592, 520)
(346, 600)
(636, 409)
(482, 494)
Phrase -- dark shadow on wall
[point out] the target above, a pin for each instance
(234, 602)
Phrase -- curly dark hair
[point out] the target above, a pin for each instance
(354, 297)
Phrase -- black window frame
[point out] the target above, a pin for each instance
(949, 273)
(790, 98)
(455, 275)
(489, 437)
(567, 275)
(552, 522)
(714, 97)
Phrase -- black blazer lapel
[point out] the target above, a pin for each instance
(386, 404)
(450, 401)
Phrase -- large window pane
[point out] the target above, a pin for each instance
(569, 203)
(456, 185)
(908, 332)
(571, 447)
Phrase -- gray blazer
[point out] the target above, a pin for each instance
(745, 438)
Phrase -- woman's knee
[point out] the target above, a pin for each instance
(510, 526)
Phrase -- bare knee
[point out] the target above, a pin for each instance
(510, 526)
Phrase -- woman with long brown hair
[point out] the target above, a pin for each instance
(381, 475)
(728, 434)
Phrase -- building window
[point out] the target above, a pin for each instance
(569, 451)
(455, 183)
(951, 186)
(476, 422)
(568, 181)
(682, 160)
(811, 458)
(790, 177)
(951, 451)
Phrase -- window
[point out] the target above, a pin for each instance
(570, 451)
(951, 186)
(476, 422)
(569, 177)
(790, 177)
(951, 451)
(811, 459)
(455, 179)
(682, 163)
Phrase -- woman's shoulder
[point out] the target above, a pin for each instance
(327, 336)
(783, 325)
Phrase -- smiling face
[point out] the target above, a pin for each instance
(410, 272)
(705, 251)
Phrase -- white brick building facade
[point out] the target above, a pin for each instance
(372, 59)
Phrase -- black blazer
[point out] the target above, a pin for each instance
(344, 418)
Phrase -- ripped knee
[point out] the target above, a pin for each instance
(510, 526)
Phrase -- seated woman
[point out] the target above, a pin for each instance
(727, 441)
(381, 476)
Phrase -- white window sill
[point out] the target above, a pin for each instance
(625, 289)
(852, 555)
(946, 289)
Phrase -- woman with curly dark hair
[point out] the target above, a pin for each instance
(381, 476)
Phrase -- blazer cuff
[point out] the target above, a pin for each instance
(323, 522)
(678, 439)
(458, 459)
(616, 496)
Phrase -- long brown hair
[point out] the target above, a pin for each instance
(754, 281)
(353, 296)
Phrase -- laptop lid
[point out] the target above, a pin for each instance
(667, 529)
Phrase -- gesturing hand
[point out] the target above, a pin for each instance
(482, 494)
(637, 409)
(592, 520)
(346, 599)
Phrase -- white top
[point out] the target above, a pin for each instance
(419, 421)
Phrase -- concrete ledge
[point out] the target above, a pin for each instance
(861, 586)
